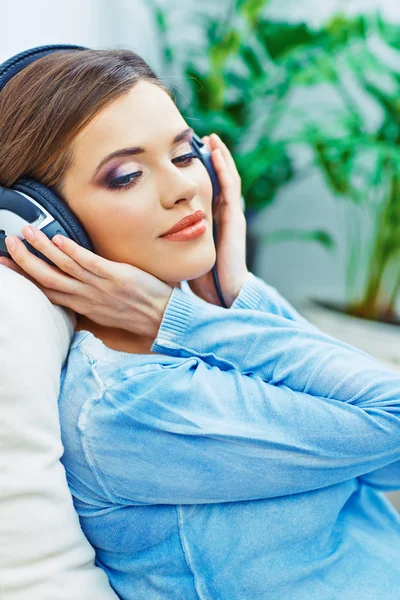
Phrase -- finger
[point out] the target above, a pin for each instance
(6, 262)
(44, 274)
(224, 175)
(10, 264)
(216, 142)
(63, 261)
(54, 297)
(62, 299)
(93, 263)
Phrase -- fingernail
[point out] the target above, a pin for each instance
(28, 233)
(57, 239)
(10, 243)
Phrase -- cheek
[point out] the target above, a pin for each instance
(121, 230)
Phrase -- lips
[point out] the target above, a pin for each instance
(186, 222)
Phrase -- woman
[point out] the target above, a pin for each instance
(211, 453)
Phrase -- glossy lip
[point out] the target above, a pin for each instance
(189, 233)
(186, 222)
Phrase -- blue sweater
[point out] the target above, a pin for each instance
(246, 461)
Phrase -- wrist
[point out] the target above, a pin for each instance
(236, 287)
(159, 306)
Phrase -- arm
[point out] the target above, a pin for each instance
(276, 349)
(281, 352)
(386, 479)
(186, 432)
(258, 295)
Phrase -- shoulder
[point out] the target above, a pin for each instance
(104, 401)
(92, 370)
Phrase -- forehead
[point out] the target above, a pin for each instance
(141, 117)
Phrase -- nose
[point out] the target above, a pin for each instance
(176, 186)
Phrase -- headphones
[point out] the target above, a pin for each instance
(29, 202)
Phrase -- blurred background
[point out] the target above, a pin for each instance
(307, 97)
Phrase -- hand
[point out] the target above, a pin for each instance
(231, 230)
(109, 293)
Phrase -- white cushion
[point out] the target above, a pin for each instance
(44, 553)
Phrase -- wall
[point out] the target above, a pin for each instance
(28, 24)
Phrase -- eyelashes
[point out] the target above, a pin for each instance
(125, 182)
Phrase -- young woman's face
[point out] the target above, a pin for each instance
(126, 203)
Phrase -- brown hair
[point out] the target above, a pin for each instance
(45, 105)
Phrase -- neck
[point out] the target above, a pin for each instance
(114, 338)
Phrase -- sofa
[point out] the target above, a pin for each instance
(44, 554)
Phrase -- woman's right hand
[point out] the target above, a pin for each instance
(230, 221)
(109, 293)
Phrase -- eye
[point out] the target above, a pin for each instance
(185, 159)
(125, 181)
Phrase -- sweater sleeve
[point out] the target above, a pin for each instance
(278, 350)
(258, 295)
(187, 432)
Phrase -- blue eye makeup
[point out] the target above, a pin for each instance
(125, 182)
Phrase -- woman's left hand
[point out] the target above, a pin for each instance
(231, 230)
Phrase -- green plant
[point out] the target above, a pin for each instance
(360, 161)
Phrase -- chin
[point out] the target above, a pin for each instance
(193, 268)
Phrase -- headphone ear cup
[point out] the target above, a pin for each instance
(57, 208)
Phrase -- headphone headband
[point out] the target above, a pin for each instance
(16, 63)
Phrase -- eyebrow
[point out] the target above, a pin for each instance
(183, 135)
